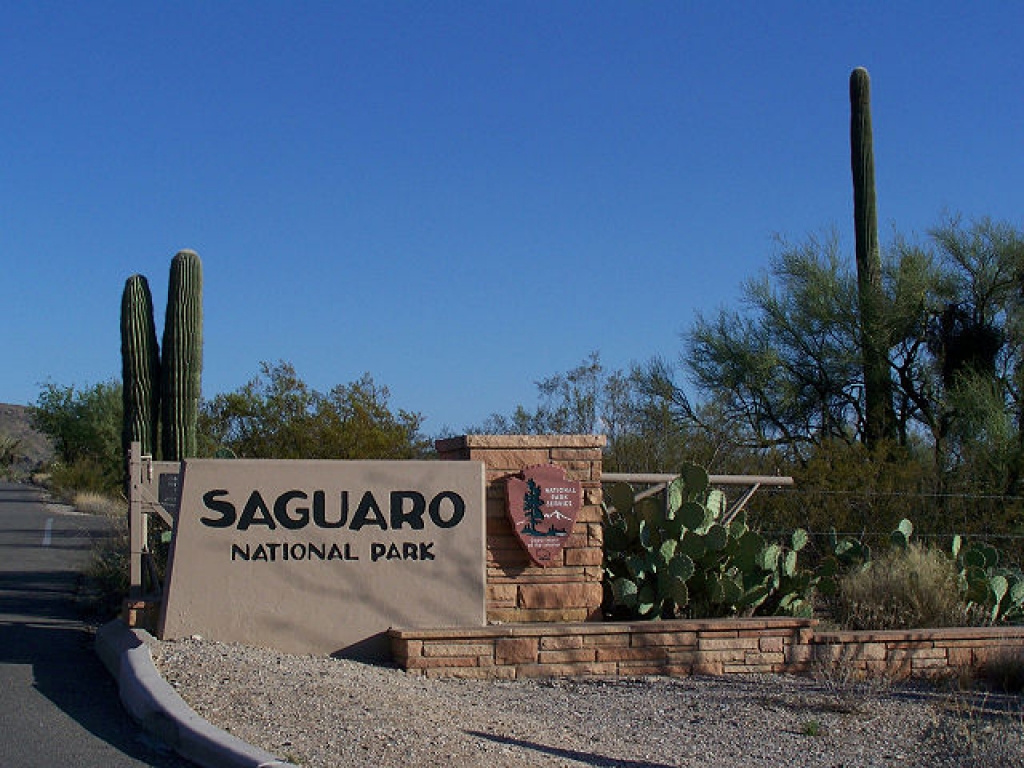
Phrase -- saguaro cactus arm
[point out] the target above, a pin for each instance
(182, 363)
(880, 421)
(140, 366)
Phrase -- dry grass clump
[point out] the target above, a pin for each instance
(1003, 671)
(92, 503)
(979, 732)
(106, 573)
(846, 688)
(902, 589)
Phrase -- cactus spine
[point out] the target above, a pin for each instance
(182, 362)
(140, 366)
(879, 421)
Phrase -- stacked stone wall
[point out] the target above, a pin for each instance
(689, 647)
(675, 648)
(919, 653)
(517, 590)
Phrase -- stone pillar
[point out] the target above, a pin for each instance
(517, 590)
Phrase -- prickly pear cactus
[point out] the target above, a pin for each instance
(140, 366)
(995, 591)
(182, 362)
(670, 555)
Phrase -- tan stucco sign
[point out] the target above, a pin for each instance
(325, 556)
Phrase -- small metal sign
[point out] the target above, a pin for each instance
(169, 491)
(543, 505)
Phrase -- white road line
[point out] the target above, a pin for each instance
(47, 531)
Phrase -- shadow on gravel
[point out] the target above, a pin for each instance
(569, 754)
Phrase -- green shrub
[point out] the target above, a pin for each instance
(85, 428)
(83, 475)
(10, 453)
(904, 588)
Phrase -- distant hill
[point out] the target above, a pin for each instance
(33, 448)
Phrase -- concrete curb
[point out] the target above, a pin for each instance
(162, 713)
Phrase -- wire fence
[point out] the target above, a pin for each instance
(870, 515)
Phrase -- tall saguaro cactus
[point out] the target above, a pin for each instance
(140, 366)
(880, 420)
(182, 363)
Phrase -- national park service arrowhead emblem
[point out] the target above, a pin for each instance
(543, 505)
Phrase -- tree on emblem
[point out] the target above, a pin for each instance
(532, 503)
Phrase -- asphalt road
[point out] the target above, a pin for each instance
(58, 705)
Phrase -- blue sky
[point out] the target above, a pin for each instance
(463, 198)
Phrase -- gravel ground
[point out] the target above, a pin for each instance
(320, 712)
